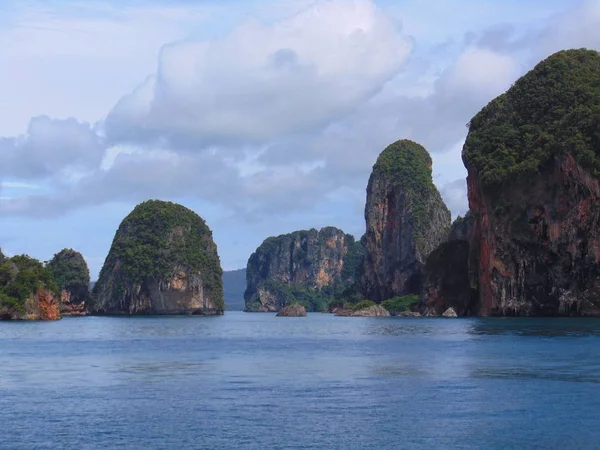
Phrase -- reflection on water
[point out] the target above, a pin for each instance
(257, 381)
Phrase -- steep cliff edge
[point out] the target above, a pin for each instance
(27, 290)
(72, 276)
(307, 267)
(163, 260)
(406, 220)
(533, 159)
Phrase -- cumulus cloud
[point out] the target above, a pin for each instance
(50, 148)
(264, 81)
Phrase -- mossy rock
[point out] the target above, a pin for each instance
(156, 243)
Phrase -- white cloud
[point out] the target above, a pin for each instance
(50, 148)
(77, 58)
(17, 185)
(264, 81)
(480, 72)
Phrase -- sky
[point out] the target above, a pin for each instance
(262, 116)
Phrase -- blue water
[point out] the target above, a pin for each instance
(260, 382)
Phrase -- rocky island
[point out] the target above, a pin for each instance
(406, 219)
(72, 277)
(531, 243)
(307, 267)
(293, 310)
(27, 290)
(533, 161)
(163, 260)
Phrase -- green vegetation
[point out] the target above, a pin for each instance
(69, 270)
(400, 304)
(156, 237)
(363, 304)
(20, 278)
(408, 165)
(352, 260)
(552, 110)
(311, 298)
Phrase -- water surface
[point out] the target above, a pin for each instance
(256, 381)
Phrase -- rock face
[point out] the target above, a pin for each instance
(449, 313)
(72, 276)
(27, 290)
(293, 310)
(304, 266)
(450, 281)
(406, 220)
(533, 160)
(163, 260)
(371, 311)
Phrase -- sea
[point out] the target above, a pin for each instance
(256, 381)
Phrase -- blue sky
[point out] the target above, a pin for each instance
(262, 116)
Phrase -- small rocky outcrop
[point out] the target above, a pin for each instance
(72, 276)
(449, 280)
(370, 311)
(293, 310)
(533, 159)
(27, 290)
(163, 260)
(409, 314)
(2, 257)
(309, 266)
(406, 220)
(449, 313)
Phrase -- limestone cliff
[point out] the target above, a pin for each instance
(163, 260)
(27, 290)
(308, 267)
(449, 280)
(533, 159)
(72, 276)
(406, 220)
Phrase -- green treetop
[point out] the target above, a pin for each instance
(553, 109)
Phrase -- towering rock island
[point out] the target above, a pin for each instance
(533, 160)
(27, 290)
(306, 266)
(406, 220)
(163, 260)
(72, 276)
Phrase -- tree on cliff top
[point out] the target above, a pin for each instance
(156, 237)
(552, 110)
(70, 270)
